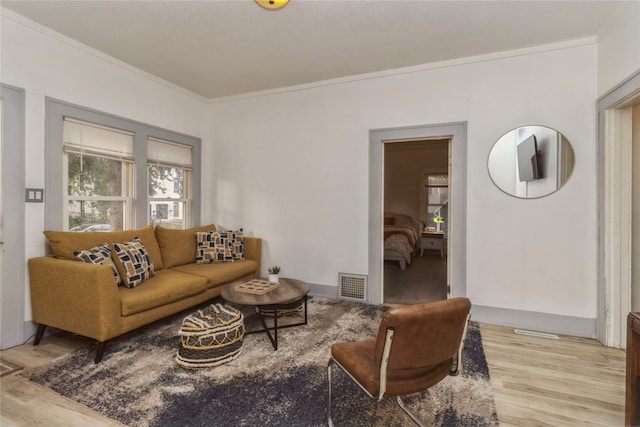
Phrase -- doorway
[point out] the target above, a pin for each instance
(618, 210)
(416, 221)
(456, 133)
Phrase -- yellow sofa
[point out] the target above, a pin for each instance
(83, 298)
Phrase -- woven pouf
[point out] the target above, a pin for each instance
(210, 337)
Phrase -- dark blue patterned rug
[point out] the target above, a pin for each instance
(138, 383)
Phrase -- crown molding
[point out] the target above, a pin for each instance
(48, 32)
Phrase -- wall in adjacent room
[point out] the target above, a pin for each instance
(293, 167)
(404, 165)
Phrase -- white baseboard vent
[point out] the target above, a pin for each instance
(536, 334)
(352, 287)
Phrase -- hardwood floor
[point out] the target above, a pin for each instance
(535, 381)
(546, 382)
(24, 403)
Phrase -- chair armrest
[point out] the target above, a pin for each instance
(253, 251)
(74, 296)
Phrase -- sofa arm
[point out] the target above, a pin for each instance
(253, 251)
(74, 296)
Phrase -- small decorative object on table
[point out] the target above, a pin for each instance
(257, 287)
(273, 274)
(210, 337)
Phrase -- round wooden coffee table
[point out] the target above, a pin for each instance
(290, 294)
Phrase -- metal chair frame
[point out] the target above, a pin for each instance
(383, 374)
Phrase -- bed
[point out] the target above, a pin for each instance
(400, 238)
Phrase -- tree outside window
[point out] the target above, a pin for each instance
(98, 163)
(169, 174)
(95, 189)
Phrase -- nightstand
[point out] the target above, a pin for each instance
(432, 241)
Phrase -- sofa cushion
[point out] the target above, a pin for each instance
(133, 262)
(165, 287)
(220, 273)
(178, 247)
(64, 243)
(101, 255)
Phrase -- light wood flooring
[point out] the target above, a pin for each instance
(546, 382)
(535, 381)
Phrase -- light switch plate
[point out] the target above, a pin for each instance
(34, 195)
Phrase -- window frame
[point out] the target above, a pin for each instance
(186, 199)
(56, 111)
(126, 191)
(424, 195)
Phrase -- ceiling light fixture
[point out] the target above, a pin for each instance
(272, 4)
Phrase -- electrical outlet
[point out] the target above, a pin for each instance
(34, 195)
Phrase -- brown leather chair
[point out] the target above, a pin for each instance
(413, 351)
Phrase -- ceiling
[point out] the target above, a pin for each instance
(225, 48)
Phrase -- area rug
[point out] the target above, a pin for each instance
(138, 382)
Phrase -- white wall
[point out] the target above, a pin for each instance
(619, 47)
(46, 64)
(293, 168)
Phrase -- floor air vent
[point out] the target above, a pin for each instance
(352, 287)
(536, 334)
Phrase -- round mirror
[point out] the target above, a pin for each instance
(531, 161)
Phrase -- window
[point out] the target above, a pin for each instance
(98, 162)
(169, 177)
(105, 172)
(437, 201)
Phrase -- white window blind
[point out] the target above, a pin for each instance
(88, 138)
(167, 153)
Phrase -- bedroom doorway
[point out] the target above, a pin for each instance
(415, 229)
(456, 249)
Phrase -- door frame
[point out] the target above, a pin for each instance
(13, 211)
(456, 132)
(614, 210)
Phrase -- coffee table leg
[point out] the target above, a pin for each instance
(275, 328)
(274, 337)
(305, 309)
(274, 341)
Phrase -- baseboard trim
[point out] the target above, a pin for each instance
(543, 322)
(536, 321)
(325, 291)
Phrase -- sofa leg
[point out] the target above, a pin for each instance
(101, 346)
(39, 333)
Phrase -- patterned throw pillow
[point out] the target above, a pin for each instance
(101, 254)
(213, 246)
(135, 262)
(236, 241)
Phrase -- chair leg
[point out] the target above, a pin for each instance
(458, 369)
(329, 419)
(39, 333)
(408, 412)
